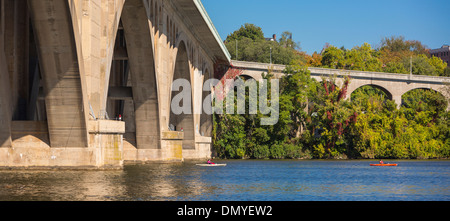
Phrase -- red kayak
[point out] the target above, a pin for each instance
(384, 165)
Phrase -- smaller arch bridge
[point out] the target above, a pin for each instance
(393, 84)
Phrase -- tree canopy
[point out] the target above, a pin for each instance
(249, 31)
(252, 46)
(394, 55)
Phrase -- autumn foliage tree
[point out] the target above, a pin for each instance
(395, 55)
(332, 119)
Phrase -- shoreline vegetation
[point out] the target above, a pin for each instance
(316, 122)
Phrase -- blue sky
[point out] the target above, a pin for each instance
(345, 23)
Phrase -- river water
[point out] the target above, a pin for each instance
(240, 180)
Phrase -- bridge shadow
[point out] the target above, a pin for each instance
(30, 134)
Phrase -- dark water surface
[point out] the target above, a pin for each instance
(240, 180)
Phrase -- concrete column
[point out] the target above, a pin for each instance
(397, 99)
(5, 95)
(57, 52)
(143, 74)
(184, 120)
(97, 23)
(16, 52)
(205, 119)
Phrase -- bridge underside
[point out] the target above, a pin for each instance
(89, 83)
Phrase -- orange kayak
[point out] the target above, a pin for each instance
(384, 165)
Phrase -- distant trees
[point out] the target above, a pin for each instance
(400, 45)
(418, 130)
(333, 57)
(394, 55)
(315, 121)
(242, 136)
(249, 31)
(252, 46)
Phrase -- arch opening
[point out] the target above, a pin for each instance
(371, 90)
(133, 93)
(183, 121)
(246, 77)
(422, 99)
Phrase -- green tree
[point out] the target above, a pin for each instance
(399, 44)
(333, 57)
(421, 100)
(252, 46)
(332, 120)
(229, 136)
(420, 65)
(362, 58)
(287, 42)
(446, 72)
(249, 139)
(418, 130)
(368, 94)
(249, 31)
(395, 67)
(438, 64)
(296, 86)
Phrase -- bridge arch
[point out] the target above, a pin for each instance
(145, 124)
(424, 89)
(381, 88)
(247, 77)
(185, 120)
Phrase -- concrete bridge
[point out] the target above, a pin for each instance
(69, 68)
(89, 83)
(394, 85)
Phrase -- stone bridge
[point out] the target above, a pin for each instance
(394, 85)
(88, 83)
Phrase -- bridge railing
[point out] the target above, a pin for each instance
(277, 68)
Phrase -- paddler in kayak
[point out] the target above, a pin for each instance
(381, 162)
(210, 162)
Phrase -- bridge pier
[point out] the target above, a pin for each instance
(5, 101)
(68, 67)
(66, 114)
(397, 99)
(31, 147)
(106, 138)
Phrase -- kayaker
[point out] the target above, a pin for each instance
(381, 162)
(210, 162)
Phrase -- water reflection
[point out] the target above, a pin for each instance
(240, 180)
(163, 182)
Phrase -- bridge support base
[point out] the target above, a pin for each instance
(202, 149)
(170, 151)
(106, 137)
(31, 148)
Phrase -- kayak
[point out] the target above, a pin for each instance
(384, 165)
(211, 165)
